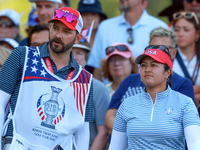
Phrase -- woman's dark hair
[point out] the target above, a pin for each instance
(166, 67)
(35, 29)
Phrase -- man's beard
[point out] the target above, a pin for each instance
(64, 47)
(124, 8)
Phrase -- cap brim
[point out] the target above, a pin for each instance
(65, 22)
(10, 41)
(125, 54)
(82, 46)
(138, 60)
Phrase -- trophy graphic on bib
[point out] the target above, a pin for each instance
(51, 108)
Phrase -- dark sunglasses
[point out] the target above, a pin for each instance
(8, 24)
(69, 17)
(130, 38)
(186, 15)
(111, 49)
(160, 47)
(190, 1)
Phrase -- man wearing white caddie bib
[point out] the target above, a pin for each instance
(50, 94)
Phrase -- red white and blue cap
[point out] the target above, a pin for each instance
(76, 25)
(156, 54)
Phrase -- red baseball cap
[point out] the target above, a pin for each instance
(124, 53)
(76, 24)
(156, 54)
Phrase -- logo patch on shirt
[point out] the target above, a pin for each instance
(51, 110)
(169, 110)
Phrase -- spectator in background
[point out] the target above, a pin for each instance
(118, 65)
(45, 12)
(32, 21)
(38, 35)
(176, 6)
(192, 5)
(133, 85)
(8, 43)
(45, 9)
(10, 24)
(131, 27)
(187, 61)
(91, 10)
(98, 131)
(4, 53)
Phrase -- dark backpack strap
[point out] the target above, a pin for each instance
(180, 61)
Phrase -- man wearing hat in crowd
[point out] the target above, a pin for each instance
(8, 43)
(45, 9)
(176, 6)
(91, 10)
(32, 21)
(101, 99)
(9, 24)
(50, 94)
(192, 5)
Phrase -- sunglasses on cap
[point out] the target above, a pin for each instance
(190, 1)
(121, 48)
(8, 24)
(69, 17)
(160, 47)
(186, 15)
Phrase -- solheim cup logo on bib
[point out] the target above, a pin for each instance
(51, 110)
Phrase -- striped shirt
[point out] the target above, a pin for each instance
(159, 125)
(11, 75)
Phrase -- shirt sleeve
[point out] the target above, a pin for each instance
(190, 114)
(101, 102)
(120, 124)
(192, 136)
(12, 69)
(89, 106)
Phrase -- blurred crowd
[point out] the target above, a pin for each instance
(114, 50)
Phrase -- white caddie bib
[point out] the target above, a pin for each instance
(49, 109)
